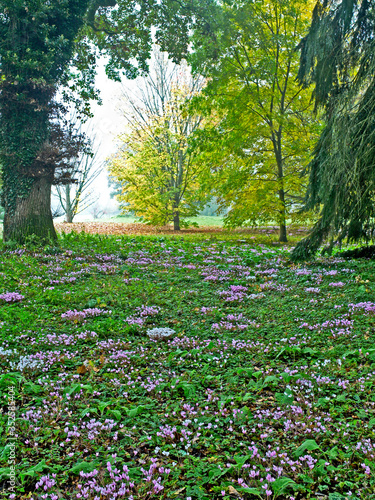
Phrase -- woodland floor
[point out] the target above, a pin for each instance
(261, 387)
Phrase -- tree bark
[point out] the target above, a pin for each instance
(282, 233)
(26, 196)
(68, 203)
(32, 214)
(276, 139)
(176, 221)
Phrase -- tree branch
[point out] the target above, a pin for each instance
(93, 8)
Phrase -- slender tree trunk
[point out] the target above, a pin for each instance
(282, 231)
(179, 179)
(30, 215)
(176, 221)
(282, 226)
(280, 177)
(68, 204)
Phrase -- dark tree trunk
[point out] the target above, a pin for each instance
(31, 215)
(282, 231)
(282, 234)
(176, 201)
(176, 221)
(280, 177)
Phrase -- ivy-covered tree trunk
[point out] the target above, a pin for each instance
(36, 45)
(27, 178)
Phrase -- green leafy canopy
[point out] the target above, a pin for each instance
(261, 132)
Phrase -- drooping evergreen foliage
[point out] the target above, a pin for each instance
(338, 57)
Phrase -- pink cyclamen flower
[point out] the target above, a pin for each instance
(11, 297)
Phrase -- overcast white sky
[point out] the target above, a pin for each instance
(107, 124)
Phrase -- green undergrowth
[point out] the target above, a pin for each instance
(259, 382)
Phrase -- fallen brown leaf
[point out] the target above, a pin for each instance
(82, 369)
(233, 491)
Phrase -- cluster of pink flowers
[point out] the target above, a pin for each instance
(207, 310)
(234, 322)
(143, 313)
(117, 483)
(78, 316)
(11, 297)
(312, 290)
(46, 482)
(303, 272)
(369, 307)
(235, 293)
(367, 469)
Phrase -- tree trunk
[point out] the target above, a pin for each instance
(177, 194)
(26, 198)
(33, 61)
(176, 221)
(31, 214)
(282, 231)
(68, 205)
(280, 177)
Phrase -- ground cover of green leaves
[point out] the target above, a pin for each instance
(265, 390)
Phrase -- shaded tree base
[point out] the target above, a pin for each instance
(33, 227)
(32, 216)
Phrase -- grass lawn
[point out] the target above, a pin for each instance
(207, 220)
(201, 220)
(258, 381)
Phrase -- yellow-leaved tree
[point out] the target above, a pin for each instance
(156, 166)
